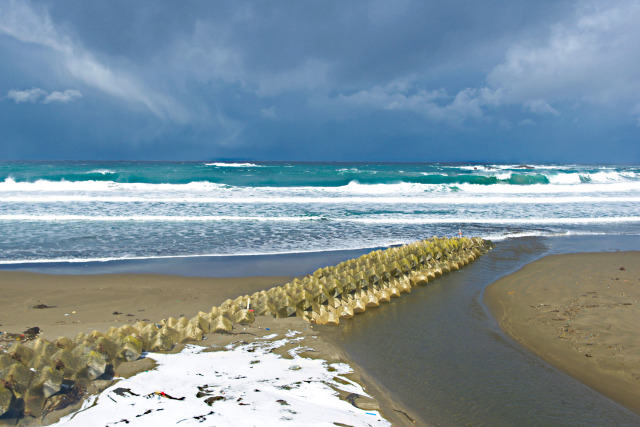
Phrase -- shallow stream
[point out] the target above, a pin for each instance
(445, 358)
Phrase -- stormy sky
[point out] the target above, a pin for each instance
(402, 80)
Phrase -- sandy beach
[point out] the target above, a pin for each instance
(579, 312)
(83, 303)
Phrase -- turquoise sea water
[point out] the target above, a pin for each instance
(80, 211)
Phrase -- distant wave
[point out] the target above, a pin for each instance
(612, 187)
(101, 172)
(41, 185)
(461, 199)
(233, 165)
(364, 182)
(152, 218)
(605, 183)
(567, 178)
(493, 221)
(521, 167)
(395, 220)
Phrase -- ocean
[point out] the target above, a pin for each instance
(101, 211)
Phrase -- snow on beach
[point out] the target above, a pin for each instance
(247, 384)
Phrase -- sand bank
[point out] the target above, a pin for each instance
(96, 302)
(580, 313)
(83, 303)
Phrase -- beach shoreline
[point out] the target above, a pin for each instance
(73, 304)
(578, 312)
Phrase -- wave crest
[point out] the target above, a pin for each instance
(233, 165)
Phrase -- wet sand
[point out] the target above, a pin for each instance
(580, 313)
(83, 303)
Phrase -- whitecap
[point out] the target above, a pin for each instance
(564, 178)
(233, 165)
(101, 172)
(47, 186)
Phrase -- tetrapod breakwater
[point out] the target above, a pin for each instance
(36, 374)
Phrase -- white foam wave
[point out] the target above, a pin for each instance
(565, 178)
(507, 236)
(613, 176)
(380, 221)
(101, 171)
(493, 221)
(204, 188)
(604, 176)
(462, 199)
(152, 218)
(355, 187)
(614, 187)
(233, 165)
(496, 167)
(10, 185)
(46, 186)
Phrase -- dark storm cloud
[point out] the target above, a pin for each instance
(269, 79)
(361, 40)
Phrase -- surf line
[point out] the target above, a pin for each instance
(396, 220)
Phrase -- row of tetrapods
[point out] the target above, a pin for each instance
(32, 373)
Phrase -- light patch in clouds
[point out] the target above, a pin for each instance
(540, 106)
(589, 58)
(435, 105)
(36, 94)
(28, 25)
(526, 122)
(29, 95)
(64, 97)
(269, 113)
